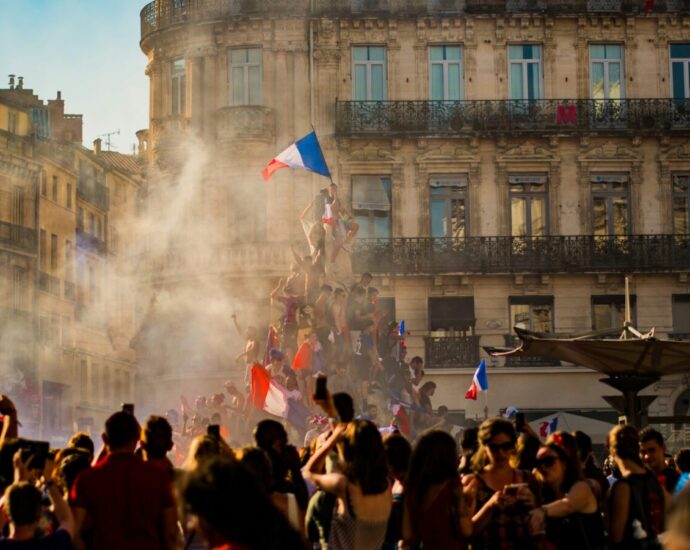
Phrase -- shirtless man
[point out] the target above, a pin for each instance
(250, 355)
(345, 227)
(342, 336)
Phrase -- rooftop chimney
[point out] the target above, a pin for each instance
(59, 96)
(97, 146)
(20, 83)
(11, 82)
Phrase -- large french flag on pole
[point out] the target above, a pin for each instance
(272, 397)
(480, 382)
(304, 153)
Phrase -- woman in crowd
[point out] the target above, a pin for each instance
(436, 515)
(570, 513)
(230, 511)
(363, 490)
(637, 502)
(504, 494)
(398, 452)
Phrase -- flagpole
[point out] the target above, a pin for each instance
(486, 404)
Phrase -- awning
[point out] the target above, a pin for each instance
(369, 193)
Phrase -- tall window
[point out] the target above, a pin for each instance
(525, 71)
(371, 206)
(681, 203)
(17, 215)
(44, 183)
(528, 200)
(69, 196)
(19, 287)
(12, 122)
(448, 202)
(445, 73)
(606, 71)
(681, 314)
(69, 258)
(80, 219)
(609, 311)
(246, 76)
(680, 71)
(43, 248)
(610, 215)
(451, 314)
(179, 83)
(53, 253)
(369, 70)
(533, 313)
(54, 191)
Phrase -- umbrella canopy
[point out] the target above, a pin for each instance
(646, 356)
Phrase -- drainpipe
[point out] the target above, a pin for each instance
(37, 270)
(311, 79)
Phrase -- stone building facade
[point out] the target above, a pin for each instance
(64, 358)
(510, 163)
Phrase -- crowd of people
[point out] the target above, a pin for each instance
(354, 487)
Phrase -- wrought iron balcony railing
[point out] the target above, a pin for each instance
(18, 237)
(87, 241)
(49, 283)
(160, 14)
(553, 254)
(451, 351)
(506, 117)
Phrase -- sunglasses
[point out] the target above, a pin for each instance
(546, 462)
(507, 446)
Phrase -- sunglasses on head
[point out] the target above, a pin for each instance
(507, 446)
(546, 461)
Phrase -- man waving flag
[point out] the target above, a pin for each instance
(304, 153)
(480, 382)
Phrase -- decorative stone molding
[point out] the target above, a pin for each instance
(245, 122)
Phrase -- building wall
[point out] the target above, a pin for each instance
(244, 138)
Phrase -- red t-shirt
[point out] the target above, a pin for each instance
(125, 498)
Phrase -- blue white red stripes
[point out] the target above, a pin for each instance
(305, 153)
(480, 382)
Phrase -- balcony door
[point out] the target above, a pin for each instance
(445, 73)
(680, 72)
(369, 73)
(448, 202)
(528, 206)
(610, 206)
(607, 83)
(525, 72)
(371, 206)
(681, 204)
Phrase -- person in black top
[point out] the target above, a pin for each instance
(653, 453)
(589, 467)
(637, 503)
(570, 512)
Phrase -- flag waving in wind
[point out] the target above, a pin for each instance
(304, 153)
(549, 427)
(480, 382)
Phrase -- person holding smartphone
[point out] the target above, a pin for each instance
(504, 494)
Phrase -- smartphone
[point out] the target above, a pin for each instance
(37, 451)
(321, 391)
(128, 408)
(519, 421)
(213, 430)
(513, 488)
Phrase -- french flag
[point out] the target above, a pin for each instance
(304, 153)
(547, 428)
(272, 397)
(480, 382)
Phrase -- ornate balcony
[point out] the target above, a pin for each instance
(451, 351)
(512, 117)
(503, 255)
(161, 14)
(245, 122)
(18, 237)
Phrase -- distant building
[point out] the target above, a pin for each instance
(66, 219)
(509, 163)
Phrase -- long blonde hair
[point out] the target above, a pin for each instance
(490, 428)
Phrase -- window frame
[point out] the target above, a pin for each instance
(525, 73)
(606, 62)
(368, 64)
(529, 195)
(245, 66)
(178, 80)
(679, 298)
(367, 223)
(680, 194)
(531, 301)
(445, 63)
(686, 71)
(609, 194)
(448, 197)
(613, 300)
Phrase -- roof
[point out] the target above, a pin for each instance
(128, 164)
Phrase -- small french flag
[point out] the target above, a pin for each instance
(547, 428)
(304, 153)
(480, 382)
